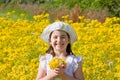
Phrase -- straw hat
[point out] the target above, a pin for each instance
(59, 26)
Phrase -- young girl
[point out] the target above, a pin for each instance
(59, 36)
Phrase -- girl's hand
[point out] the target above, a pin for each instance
(52, 73)
(61, 71)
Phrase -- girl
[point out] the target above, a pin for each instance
(60, 35)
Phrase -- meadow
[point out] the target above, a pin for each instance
(20, 46)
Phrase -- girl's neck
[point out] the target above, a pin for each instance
(61, 54)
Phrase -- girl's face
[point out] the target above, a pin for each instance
(59, 40)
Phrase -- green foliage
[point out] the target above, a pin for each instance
(112, 5)
(114, 8)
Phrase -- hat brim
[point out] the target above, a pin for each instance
(59, 26)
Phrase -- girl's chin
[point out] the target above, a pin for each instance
(59, 49)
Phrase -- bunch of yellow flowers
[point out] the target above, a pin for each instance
(57, 62)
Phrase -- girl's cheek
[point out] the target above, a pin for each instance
(64, 40)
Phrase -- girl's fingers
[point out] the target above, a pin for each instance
(57, 70)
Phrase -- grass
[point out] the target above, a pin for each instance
(15, 13)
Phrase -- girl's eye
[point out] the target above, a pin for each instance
(62, 37)
(55, 37)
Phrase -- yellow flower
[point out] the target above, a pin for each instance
(22, 15)
(57, 62)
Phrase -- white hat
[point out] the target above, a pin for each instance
(59, 26)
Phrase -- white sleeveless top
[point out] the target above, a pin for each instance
(71, 60)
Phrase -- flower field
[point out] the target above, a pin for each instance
(20, 46)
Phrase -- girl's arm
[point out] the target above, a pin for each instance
(79, 73)
(42, 74)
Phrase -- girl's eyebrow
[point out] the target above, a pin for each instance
(63, 35)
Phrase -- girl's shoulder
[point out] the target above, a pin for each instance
(72, 63)
(45, 57)
(74, 58)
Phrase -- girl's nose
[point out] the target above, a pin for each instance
(59, 39)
